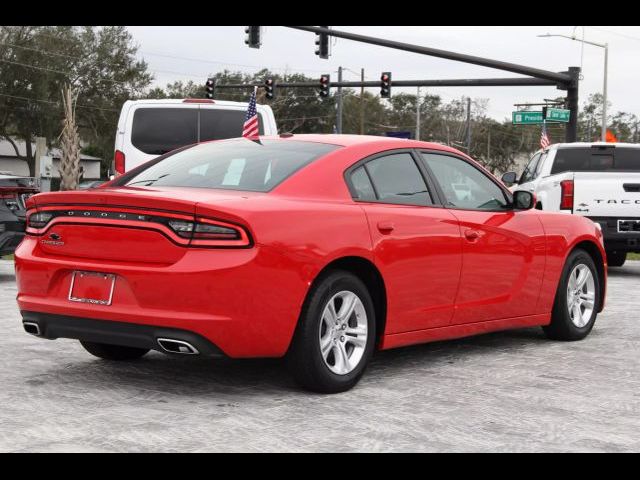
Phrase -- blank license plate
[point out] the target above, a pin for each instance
(92, 287)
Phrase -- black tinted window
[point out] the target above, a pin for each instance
(362, 185)
(220, 124)
(238, 164)
(627, 159)
(397, 179)
(159, 130)
(596, 159)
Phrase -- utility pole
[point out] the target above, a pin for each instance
(339, 106)
(418, 114)
(362, 102)
(489, 145)
(604, 93)
(469, 125)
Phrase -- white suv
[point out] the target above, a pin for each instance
(598, 180)
(148, 128)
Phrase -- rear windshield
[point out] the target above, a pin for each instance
(157, 131)
(596, 160)
(237, 164)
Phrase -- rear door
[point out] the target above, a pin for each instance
(503, 250)
(417, 244)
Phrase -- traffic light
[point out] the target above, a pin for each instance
(385, 85)
(324, 85)
(269, 88)
(210, 87)
(322, 45)
(253, 37)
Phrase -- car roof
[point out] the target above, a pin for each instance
(355, 140)
(563, 146)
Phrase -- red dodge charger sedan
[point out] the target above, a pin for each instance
(320, 248)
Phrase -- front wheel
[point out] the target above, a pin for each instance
(577, 299)
(335, 336)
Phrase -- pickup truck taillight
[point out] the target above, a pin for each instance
(566, 195)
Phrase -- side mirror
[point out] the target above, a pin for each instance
(510, 178)
(523, 200)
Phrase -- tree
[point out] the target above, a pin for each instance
(69, 144)
(99, 63)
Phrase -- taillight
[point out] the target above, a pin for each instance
(209, 233)
(566, 195)
(119, 162)
(39, 219)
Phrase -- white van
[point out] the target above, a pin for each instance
(148, 128)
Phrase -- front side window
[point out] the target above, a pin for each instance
(396, 179)
(237, 164)
(530, 171)
(464, 186)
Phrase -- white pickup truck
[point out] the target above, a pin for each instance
(600, 181)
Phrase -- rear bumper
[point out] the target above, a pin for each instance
(246, 302)
(615, 240)
(115, 333)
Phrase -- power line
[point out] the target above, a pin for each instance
(31, 99)
(26, 65)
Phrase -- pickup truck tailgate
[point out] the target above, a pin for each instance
(607, 194)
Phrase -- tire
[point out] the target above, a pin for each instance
(570, 325)
(616, 259)
(113, 352)
(347, 349)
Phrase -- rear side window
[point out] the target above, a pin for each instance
(237, 164)
(596, 160)
(159, 130)
(362, 186)
(218, 124)
(397, 179)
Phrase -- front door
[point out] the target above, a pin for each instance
(503, 249)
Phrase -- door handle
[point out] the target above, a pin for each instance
(386, 227)
(471, 235)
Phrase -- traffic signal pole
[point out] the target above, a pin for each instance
(563, 80)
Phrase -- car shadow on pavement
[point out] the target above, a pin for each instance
(6, 278)
(624, 271)
(200, 377)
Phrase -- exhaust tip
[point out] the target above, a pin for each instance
(177, 346)
(32, 328)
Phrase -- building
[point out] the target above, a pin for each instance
(11, 163)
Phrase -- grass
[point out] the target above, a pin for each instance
(7, 257)
(633, 256)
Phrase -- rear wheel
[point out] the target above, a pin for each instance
(577, 299)
(616, 259)
(113, 352)
(335, 335)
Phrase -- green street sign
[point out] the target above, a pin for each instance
(558, 115)
(554, 115)
(527, 118)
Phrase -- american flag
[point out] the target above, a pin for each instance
(251, 128)
(544, 137)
